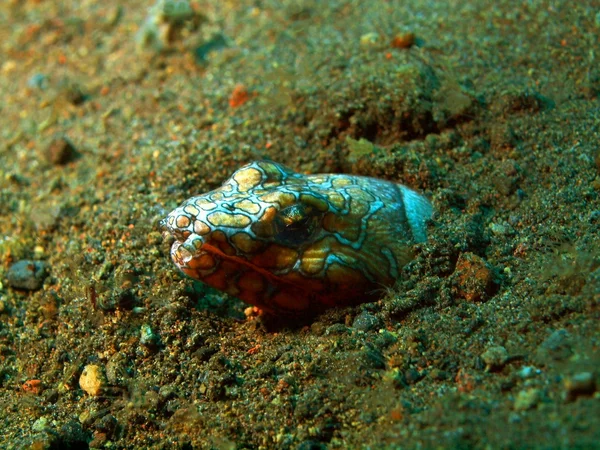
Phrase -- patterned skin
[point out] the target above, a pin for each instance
(294, 244)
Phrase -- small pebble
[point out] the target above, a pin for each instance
(366, 321)
(528, 372)
(336, 328)
(372, 358)
(494, 357)
(556, 347)
(60, 151)
(71, 435)
(147, 336)
(99, 441)
(497, 229)
(40, 425)
(581, 384)
(474, 280)
(411, 376)
(92, 379)
(527, 399)
(74, 93)
(116, 369)
(27, 275)
(38, 81)
(51, 396)
(404, 40)
(369, 39)
(107, 424)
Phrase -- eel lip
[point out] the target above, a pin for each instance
(180, 254)
(164, 229)
(184, 252)
(163, 226)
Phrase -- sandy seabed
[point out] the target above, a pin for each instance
(113, 113)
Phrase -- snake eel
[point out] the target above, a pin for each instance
(294, 244)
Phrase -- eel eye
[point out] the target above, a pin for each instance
(296, 224)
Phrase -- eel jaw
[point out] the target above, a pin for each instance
(185, 252)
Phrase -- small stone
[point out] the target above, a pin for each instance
(38, 251)
(60, 151)
(73, 92)
(404, 40)
(71, 435)
(521, 100)
(411, 376)
(147, 336)
(167, 392)
(38, 81)
(335, 329)
(117, 369)
(497, 229)
(107, 424)
(556, 347)
(27, 275)
(92, 379)
(40, 425)
(369, 39)
(372, 358)
(474, 280)
(581, 384)
(527, 399)
(366, 321)
(51, 396)
(439, 375)
(494, 358)
(99, 441)
(528, 372)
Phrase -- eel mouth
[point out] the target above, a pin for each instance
(201, 258)
(185, 252)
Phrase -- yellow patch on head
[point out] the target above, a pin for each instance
(283, 198)
(314, 256)
(276, 257)
(360, 194)
(247, 206)
(191, 210)
(337, 200)
(336, 224)
(344, 276)
(200, 227)
(223, 219)
(182, 221)
(340, 182)
(264, 226)
(247, 178)
(205, 204)
(245, 243)
(316, 202)
(272, 170)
